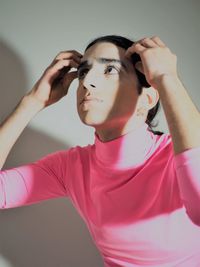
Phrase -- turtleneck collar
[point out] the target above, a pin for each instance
(126, 151)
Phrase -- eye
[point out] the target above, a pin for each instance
(82, 72)
(111, 69)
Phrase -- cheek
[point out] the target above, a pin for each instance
(111, 86)
(127, 96)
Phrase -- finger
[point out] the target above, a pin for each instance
(68, 54)
(76, 58)
(67, 80)
(65, 63)
(158, 41)
(135, 48)
(66, 57)
(54, 70)
(148, 43)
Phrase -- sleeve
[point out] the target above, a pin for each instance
(187, 166)
(34, 182)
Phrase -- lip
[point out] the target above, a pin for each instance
(90, 99)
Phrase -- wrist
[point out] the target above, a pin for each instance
(161, 81)
(31, 104)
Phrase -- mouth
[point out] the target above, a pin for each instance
(89, 100)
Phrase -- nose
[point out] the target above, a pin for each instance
(89, 86)
(89, 80)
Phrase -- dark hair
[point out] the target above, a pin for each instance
(126, 43)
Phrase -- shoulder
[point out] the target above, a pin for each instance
(69, 154)
(77, 153)
(163, 146)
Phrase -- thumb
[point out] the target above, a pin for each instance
(139, 66)
(67, 80)
(69, 77)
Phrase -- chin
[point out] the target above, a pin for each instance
(93, 120)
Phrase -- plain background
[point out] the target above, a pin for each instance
(52, 233)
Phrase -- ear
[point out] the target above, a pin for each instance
(150, 97)
(139, 67)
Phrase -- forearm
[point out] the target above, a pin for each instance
(182, 116)
(14, 124)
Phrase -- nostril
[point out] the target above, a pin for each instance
(87, 87)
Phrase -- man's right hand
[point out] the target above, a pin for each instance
(56, 79)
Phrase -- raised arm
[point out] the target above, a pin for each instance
(49, 89)
(42, 179)
(159, 65)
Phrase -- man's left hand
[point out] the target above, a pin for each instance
(157, 59)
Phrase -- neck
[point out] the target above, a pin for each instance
(130, 150)
(109, 133)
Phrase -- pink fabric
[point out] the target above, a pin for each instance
(139, 200)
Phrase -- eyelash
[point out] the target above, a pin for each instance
(85, 69)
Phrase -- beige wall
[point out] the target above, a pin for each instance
(32, 33)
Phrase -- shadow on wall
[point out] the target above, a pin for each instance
(50, 233)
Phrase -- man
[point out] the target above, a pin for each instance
(138, 192)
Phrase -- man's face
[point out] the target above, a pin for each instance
(108, 87)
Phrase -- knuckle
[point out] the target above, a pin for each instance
(67, 53)
(145, 39)
(155, 37)
(68, 62)
(137, 44)
(48, 71)
(64, 61)
(60, 53)
(56, 60)
(71, 52)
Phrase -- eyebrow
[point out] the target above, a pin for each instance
(104, 60)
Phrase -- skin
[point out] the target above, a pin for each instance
(119, 108)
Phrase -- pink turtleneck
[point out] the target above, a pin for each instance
(139, 200)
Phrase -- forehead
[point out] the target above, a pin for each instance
(106, 50)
